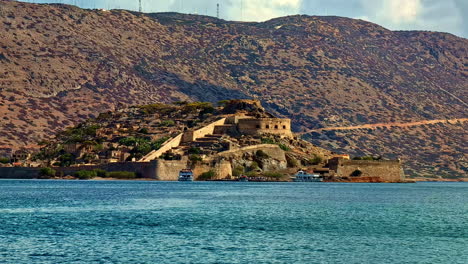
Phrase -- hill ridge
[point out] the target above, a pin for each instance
(319, 71)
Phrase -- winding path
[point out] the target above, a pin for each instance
(389, 125)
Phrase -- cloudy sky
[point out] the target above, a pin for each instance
(435, 15)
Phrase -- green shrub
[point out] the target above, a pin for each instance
(143, 131)
(66, 160)
(101, 173)
(238, 171)
(315, 160)
(85, 174)
(284, 147)
(224, 102)
(167, 123)
(273, 175)
(170, 156)
(194, 150)
(157, 144)
(268, 141)
(203, 106)
(195, 157)
(367, 158)
(209, 175)
(142, 149)
(156, 108)
(254, 166)
(47, 172)
(4, 160)
(251, 174)
(122, 175)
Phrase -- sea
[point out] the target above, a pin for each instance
(51, 221)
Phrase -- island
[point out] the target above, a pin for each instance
(233, 140)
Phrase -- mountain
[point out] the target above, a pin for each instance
(60, 64)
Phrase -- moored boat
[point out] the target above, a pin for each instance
(186, 175)
(243, 178)
(302, 176)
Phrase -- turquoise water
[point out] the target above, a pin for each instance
(208, 222)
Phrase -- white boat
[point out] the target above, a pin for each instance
(186, 175)
(302, 176)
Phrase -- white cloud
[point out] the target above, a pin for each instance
(261, 10)
(393, 11)
(414, 14)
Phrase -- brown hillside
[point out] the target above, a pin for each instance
(61, 64)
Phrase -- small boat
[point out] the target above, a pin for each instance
(243, 178)
(186, 175)
(302, 176)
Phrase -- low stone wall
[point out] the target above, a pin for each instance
(143, 169)
(19, 173)
(387, 171)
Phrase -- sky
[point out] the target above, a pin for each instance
(434, 15)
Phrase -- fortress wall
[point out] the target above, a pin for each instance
(168, 170)
(225, 129)
(222, 169)
(190, 136)
(388, 171)
(279, 126)
(144, 169)
(173, 143)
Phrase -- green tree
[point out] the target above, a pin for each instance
(273, 175)
(85, 174)
(195, 158)
(101, 173)
(47, 172)
(122, 175)
(238, 171)
(209, 175)
(4, 160)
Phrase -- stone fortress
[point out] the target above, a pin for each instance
(227, 132)
(246, 136)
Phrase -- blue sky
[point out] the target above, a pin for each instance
(435, 15)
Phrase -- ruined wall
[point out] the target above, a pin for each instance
(278, 126)
(190, 136)
(173, 143)
(388, 171)
(168, 170)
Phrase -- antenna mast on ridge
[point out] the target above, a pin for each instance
(217, 10)
(139, 7)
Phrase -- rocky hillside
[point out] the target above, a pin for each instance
(61, 64)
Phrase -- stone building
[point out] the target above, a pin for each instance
(259, 126)
(368, 170)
